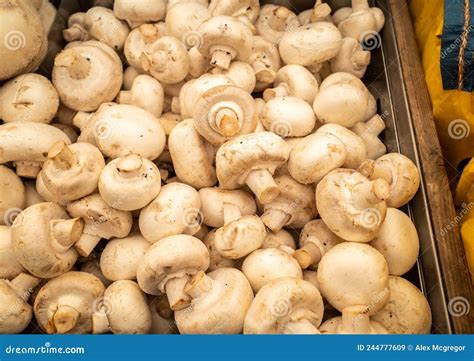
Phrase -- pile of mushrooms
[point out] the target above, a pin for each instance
(201, 168)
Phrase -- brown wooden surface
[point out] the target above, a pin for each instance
(451, 253)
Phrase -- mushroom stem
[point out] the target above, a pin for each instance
(72, 34)
(62, 155)
(198, 285)
(369, 193)
(278, 20)
(360, 5)
(275, 219)
(262, 184)
(375, 125)
(262, 72)
(124, 97)
(158, 60)
(65, 233)
(300, 327)
(81, 119)
(100, 322)
(77, 66)
(307, 255)
(231, 212)
(279, 91)
(177, 297)
(86, 244)
(64, 320)
(27, 169)
(150, 33)
(23, 285)
(227, 122)
(129, 166)
(361, 58)
(355, 320)
(369, 169)
(320, 11)
(221, 59)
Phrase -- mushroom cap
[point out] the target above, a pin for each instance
(175, 210)
(29, 97)
(407, 310)
(236, 158)
(241, 73)
(23, 38)
(184, 18)
(136, 13)
(9, 265)
(99, 218)
(193, 164)
(264, 265)
(310, 44)
(247, 8)
(138, 42)
(86, 75)
(77, 290)
(121, 129)
(213, 200)
(20, 141)
(265, 61)
(126, 307)
(354, 274)
(279, 239)
(15, 312)
(171, 257)
(240, 237)
(359, 23)
(121, 256)
(270, 32)
(397, 240)
(352, 58)
(216, 259)
(355, 147)
(227, 32)
(340, 192)
(13, 195)
(73, 180)
(33, 244)
(288, 116)
(281, 301)
(311, 277)
(145, 92)
(317, 233)
(129, 183)
(222, 309)
(229, 97)
(315, 156)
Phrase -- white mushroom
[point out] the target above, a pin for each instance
(244, 10)
(265, 61)
(137, 13)
(13, 196)
(369, 132)
(241, 73)
(352, 58)
(363, 22)
(274, 20)
(354, 320)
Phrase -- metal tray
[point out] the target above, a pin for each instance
(384, 80)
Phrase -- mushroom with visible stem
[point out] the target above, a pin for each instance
(240, 237)
(224, 112)
(29, 97)
(100, 221)
(287, 306)
(98, 23)
(244, 10)
(397, 239)
(310, 45)
(363, 22)
(216, 259)
(193, 164)
(21, 145)
(352, 58)
(354, 320)
(294, 80)
(255, 157)
(86, 75)
(174, 211)
(358, 202)
(66, 303)
(183, 20)
(241, 74)
(219, 301)
(264, 265)
(167, 60)
(288, 116)
(343, 99)
(71, 172)
(274, 21)
(320, 12)
(199, 64)
(221, 206)
(162, 316)
(129, 183)
(124, 310)
(145, 92)
(43, 238)
(9, 265)
(407, 310)
(281, 239)
(294, 206)
(169, 264)
(315, 240)
(13, 194)
(265, 61)
(121, 256)
(369, 132)
(121, 129)
(15, 312)
(225, 38)
(141, 12)
(401, 174)
(354, 274)
(139, 41)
